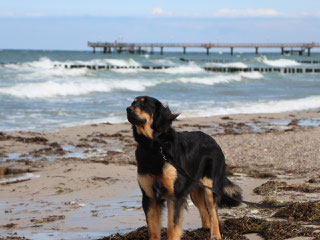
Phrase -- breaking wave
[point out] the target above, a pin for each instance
(279, 62)
(223, 78)
(233, 64)
(54, 89)
(312, 102)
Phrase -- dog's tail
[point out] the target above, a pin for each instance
(231, 194)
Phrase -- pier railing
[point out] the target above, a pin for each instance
(109, 47)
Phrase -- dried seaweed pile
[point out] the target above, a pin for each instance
(234, 229)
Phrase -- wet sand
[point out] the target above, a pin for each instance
(80, 182)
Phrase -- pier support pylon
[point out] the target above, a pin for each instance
(309, 52)
(257, 50)
(208, 51)
(161, 50)
(231, 50)
(184, 50)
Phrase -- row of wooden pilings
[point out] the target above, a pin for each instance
(229, 61)
(209, 69)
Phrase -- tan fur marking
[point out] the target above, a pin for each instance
(212, 208)
(168, 177)
(198, 198)
(146, 182)
(154, 221)
(146, 128)
(174, 230)
(135, 99)
(142, 99)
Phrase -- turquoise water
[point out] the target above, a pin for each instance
(37, 92)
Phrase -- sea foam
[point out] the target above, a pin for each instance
(221, 78)
(279, 62)
(312, 102)
(54, 89)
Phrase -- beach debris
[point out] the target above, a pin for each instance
(273, 186)
(74, 204)
(131, 208)
(305, 211)
(294, 122)
(17, 179)
(258, 174)
(3, 170)
(105, 179)
(37, 139)
(48, 151)
(269, 187)
(226, 118)
(95, 213)
(60, 190)
(232, 229)
(9, 225)
(48, 219)
(13, 236)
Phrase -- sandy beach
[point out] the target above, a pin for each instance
(80, 182)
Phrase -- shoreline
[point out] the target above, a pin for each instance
(88, 177)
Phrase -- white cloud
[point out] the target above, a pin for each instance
(157, 11)
(226, 12)
(160, 12)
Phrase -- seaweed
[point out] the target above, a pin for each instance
(268, 187)
(232, 229)
(48, 219)
(306, 211)
(272, 186)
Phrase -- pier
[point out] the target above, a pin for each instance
(285, 48)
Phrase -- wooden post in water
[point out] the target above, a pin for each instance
(282, 51)
(94, 49)
(208, 51)
(161, 50)
(231, 52)
(309, 52)
(184, 50)
(257, 49)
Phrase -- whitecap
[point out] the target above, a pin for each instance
(282, 62)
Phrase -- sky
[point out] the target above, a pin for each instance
(70, 24)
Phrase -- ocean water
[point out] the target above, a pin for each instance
(38, 93)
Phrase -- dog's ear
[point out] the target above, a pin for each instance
(163, 118)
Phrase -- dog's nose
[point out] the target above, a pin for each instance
(129, 109)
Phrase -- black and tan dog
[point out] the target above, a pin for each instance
(196, 153)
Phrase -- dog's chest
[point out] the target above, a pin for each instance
(159, 186)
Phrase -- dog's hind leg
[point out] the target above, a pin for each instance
(153, 212)
(212, 208)
(175, 212)
(199, 200)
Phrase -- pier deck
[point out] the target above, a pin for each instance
(108, 47)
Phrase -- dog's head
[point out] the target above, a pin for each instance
(149, 116)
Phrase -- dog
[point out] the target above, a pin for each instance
(162, 154)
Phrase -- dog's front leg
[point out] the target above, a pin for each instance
(152, 210)
(175, 212)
